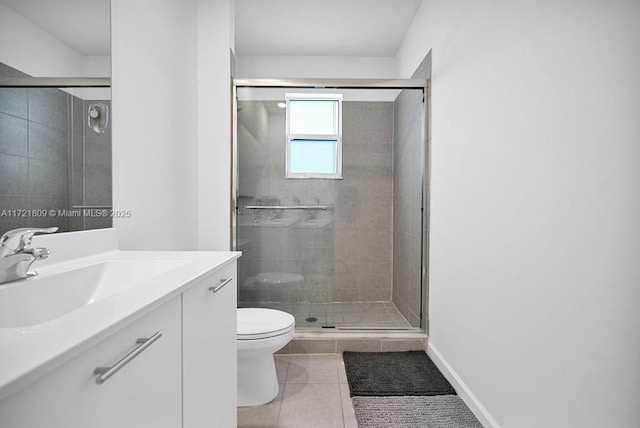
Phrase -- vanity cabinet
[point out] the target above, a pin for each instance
(143, 393)
(186, 377)
(209, 351)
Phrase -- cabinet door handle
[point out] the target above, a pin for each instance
(223, 282)
(106, 372)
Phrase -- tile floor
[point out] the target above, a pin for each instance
(313, 393)
(338, 314)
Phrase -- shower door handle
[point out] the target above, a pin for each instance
(223, 282)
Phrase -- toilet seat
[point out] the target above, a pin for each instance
(261, 332)
(263, 323)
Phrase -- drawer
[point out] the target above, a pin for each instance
(145, 392)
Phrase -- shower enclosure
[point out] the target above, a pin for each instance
(329, 181)
(55, 152)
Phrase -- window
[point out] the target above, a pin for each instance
(314, 136)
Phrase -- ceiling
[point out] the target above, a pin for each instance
(263, 27)
(82, 24)
(322, 27)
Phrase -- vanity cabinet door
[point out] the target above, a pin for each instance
(146, 392)
(209, 351)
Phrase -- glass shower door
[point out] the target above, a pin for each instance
(340, 252)
(284, 226)
(287, 261)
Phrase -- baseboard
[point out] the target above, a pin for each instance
(461, 388)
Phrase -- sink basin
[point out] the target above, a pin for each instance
(43, 298)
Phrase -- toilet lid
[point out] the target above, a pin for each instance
(259, 323)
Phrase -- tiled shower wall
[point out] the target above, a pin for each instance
(90, 172)
(267, 246)
(34, 154)
(42, 151)
(350, 257)
(408, 222)
(407, 202)
(363, 213)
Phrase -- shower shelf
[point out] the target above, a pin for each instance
(286, 207)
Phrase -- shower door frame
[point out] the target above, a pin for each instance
(55, 82)
(419, 84)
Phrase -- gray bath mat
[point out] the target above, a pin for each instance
(440, 411)
(394, 373)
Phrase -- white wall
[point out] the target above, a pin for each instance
(535, 238)
(96, 66)
(30, 49)
(315, 66)
(171, 124)
(215, 39)
(154, 60)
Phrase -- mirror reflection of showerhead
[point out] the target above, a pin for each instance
(98, 117)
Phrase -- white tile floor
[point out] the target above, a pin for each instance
(313, 393)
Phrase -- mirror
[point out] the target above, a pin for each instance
(55, 142)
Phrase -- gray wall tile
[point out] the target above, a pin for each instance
(98, 189)
(362, 216)
(48, 142)
(407, 194)
(346, 295)
(14, 173)
(76, 170)
(47, 178)
(423, 71)
(13, 101)
(21, 202)
(11, 202)
(98, 222)
(13, 135)
(8, 71)
(48, 106)
(77, 116)
(98, 148)
(45, 126)
(97, 163)
(47, 203)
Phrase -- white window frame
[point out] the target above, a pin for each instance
(337, 137)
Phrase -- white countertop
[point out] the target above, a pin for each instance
(28, 352)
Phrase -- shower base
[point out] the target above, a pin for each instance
(341, 315)
(330, 328)
(307, 341)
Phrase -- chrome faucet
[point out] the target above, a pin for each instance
(15, 256)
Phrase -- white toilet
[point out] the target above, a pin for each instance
(261, 332)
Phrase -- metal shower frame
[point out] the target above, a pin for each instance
(420, 84)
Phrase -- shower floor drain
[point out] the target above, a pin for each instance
(311, 319)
